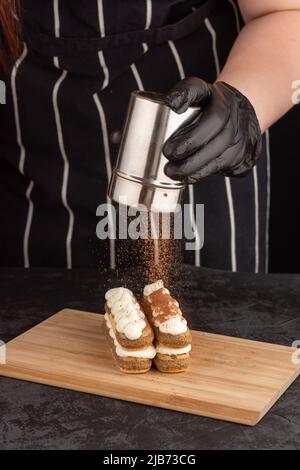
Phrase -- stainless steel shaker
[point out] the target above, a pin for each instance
(139, 178)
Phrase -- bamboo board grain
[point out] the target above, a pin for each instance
(229, 378)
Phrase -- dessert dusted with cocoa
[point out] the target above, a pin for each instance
(129, 332)
(173, 337)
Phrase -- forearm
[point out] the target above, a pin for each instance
(264, 62)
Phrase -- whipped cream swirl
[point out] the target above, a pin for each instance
(128, 315)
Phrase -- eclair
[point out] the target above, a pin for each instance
(130, 325)
(172, 335)
(129, 333)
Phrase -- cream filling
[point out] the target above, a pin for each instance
(147, 353)
(160, 348)
(127, 313)
(173, 326)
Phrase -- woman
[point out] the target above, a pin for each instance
(67, 94)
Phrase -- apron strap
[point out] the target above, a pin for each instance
(51, 46)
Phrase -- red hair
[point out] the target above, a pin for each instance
(9, 33)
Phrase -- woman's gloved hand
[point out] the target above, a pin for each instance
(224, 138)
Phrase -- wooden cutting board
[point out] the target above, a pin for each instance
(230, 378)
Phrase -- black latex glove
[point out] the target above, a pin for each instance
(224, 138)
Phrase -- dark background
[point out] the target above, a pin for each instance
(285, 200)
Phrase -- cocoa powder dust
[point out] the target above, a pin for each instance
(155, 255)
(158, 254)
(161, 255)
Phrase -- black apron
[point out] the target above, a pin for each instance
(67, 95)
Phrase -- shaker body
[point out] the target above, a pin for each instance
(138, 178)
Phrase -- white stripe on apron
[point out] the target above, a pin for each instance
(148, 21)
(105, 135)
(254, 171)
(64, 188)
(101, 18)
(100, 53)
(56, 18)
(22, 156)
(108, 171)
(16, 108)
(227, 180)
(148, 13)
(105, 70)
(28, 224)
(256, 201)
(190, 186)
(268, 198)
(137, 77)
(112, 254)
(65, 180)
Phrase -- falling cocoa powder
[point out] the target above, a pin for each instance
(160, 256)
(149, 258)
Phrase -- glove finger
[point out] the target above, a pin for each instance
(210, 169)
(231, 157)
(184, 168)
(187, 92)
(188, 139)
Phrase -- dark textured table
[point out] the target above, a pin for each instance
(265, 308)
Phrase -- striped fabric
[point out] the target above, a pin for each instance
(56, 154)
